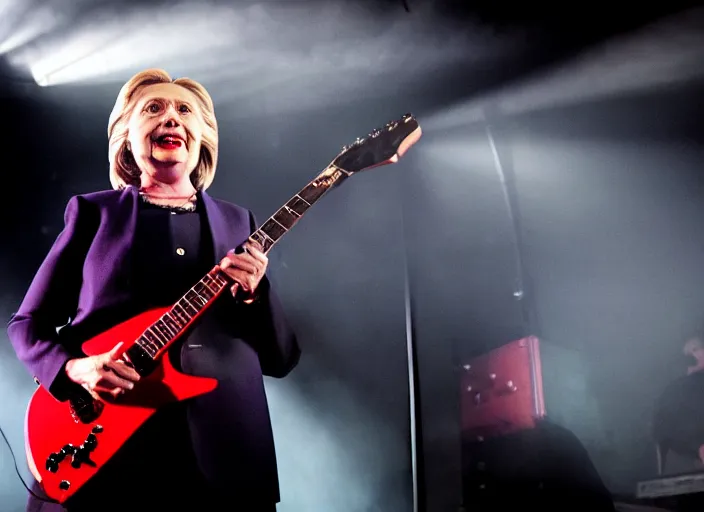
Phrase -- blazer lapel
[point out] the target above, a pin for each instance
(129, 206)
(218, 227)
(118, 238)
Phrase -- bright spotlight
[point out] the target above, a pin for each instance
(40, 78)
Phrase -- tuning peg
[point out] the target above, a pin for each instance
(375, 133)
(345, 148)
(407, 117)
(358, 141)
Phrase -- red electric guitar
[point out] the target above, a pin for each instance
(68, 442)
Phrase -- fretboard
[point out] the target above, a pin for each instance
(172, 324)
(286, 217)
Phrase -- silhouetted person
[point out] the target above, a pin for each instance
(678, 423)
(545, 468)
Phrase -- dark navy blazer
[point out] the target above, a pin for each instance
(86, 281)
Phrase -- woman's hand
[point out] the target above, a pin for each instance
(103, 374)
(247, 268)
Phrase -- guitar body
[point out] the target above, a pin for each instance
(50, 425)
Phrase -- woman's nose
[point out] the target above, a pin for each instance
(171, 117)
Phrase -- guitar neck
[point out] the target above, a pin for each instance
(172, 324)
(154, 341)
(286, 217)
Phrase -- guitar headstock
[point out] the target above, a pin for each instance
(381, 147)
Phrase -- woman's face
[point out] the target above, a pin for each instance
(165, 131)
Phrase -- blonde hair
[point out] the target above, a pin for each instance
(123, 168)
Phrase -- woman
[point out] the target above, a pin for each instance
(143, 245)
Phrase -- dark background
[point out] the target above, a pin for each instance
(597, 121)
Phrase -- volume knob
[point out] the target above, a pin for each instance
(81, 455)
(52, 465)
(91, 442)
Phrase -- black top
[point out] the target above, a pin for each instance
(173, 249)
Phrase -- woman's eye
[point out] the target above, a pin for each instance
(184, 109)
(153, 108)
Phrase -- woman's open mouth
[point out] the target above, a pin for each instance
(168, 142)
